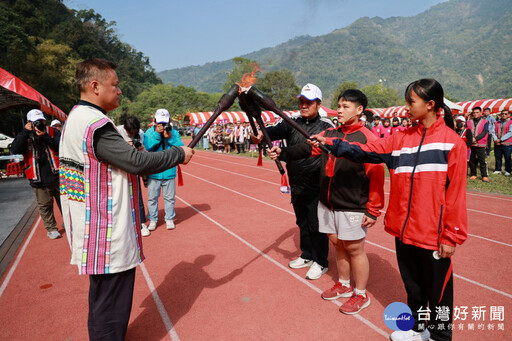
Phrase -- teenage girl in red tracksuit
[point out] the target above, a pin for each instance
(427, 204)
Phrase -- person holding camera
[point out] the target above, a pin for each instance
(131, 133)
(39, 145)
(161, 137)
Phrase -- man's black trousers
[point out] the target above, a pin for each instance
(110, 304)
(313, 244)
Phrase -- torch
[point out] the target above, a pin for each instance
(268, 103)
(253, 112)
(224, 103)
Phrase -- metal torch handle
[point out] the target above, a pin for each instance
(259, 120)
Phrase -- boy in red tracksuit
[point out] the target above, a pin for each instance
(427, 203)
(351, 197)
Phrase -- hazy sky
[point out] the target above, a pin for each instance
(194, 32)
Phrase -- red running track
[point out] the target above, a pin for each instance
(222, 273)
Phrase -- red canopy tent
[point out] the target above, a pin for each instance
(240, 116)
(389, 112)
(231, 117)
(496, 105)
(324, 111)
(16, 93)
(399, 111)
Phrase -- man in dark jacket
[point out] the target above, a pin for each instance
(304, 178)
(39, 145)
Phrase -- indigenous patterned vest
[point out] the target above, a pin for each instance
(99, 201)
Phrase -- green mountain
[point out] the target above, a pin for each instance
(464, 44)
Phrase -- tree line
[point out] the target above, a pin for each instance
(43, 40)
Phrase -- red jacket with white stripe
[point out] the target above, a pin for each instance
(427, 203)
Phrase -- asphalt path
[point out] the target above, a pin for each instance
(18, 211)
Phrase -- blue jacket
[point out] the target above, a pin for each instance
(153, 143)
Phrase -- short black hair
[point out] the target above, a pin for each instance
(355, 96)
(368, 114)
(88, 70)
(477, 108)
(131, 123)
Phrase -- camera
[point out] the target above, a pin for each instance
(136, 141)
(168, 127)
(39, 125)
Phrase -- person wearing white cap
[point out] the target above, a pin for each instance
(304, 175)
(99, 194)
(465, 133)
(160, 137)
(39, 145)
(56, 124)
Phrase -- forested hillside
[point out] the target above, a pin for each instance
(465, 44)
(42, 40)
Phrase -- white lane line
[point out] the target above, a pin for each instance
(282, 267)
(489, 196)
(482, 212)
(490, 240)
(276, 184)
(18, 258)
(289, 212)
(476, 236)
(159, 305)
(239, 174)
(455, 275)
(237, 192)
(239, 164)
(497, 197)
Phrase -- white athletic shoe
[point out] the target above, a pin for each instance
(152, 225)
(144, 230)
(300, 263)
(507, 174)
(496, 172)
(170, 224)
(410, 335)
(316, 271)
(53, 234)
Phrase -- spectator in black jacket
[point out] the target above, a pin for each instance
(304, 178)
(39, 145)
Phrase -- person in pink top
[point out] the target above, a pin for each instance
(396, 126)
(377, 127)
(386, 128)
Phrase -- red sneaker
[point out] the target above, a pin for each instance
(355, 304)
(337, 291)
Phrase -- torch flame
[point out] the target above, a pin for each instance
(249, 78)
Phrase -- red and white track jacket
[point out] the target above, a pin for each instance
(427, 203)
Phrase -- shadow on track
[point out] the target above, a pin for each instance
(178, 292)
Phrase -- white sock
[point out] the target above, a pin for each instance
(345, 283)
(360, 292)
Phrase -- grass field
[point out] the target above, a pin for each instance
(498, 183)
